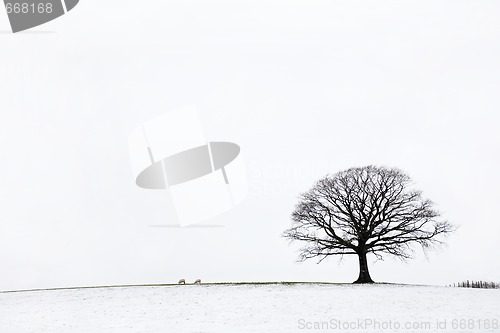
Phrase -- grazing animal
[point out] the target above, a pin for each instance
(197, 281)
(182, 281)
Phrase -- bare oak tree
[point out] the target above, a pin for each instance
(365, 210)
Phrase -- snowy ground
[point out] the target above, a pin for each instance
(252, 308)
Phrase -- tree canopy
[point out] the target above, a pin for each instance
(365, 210)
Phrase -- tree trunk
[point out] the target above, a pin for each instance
(364, 275)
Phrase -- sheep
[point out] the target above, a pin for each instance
(182, 281)
(198, 281)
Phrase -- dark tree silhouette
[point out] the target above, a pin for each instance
(365, 210)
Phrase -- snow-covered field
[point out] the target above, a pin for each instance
(252, 308)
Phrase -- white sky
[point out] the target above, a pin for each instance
(304, 87)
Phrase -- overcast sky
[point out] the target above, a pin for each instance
(305, 88)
